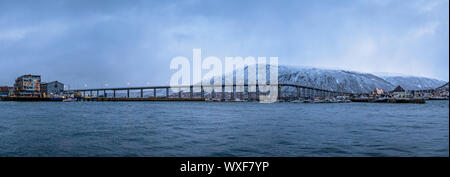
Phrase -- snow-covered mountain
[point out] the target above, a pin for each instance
(413, 82)
(345, 81)
(334, 80)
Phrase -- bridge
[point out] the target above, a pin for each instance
(194, 90)
(442, 88)
(191, 92)
(445, 86)
(439, 91)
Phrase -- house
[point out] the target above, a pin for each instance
(399, 92)
(398, 89)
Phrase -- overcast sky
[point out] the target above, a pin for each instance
(119, 43)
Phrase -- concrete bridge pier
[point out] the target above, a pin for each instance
(167, 92)
(154, 93)
(299, 92)
(202, 92)
(279, 92)
(245, 92)
(302, 92)
(223, 92)
(233, 91)
(257, 92)
(142, 93)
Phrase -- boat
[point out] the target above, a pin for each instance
(438, 98)
(237, 100)
(54, 99)
(297, 101)
(68, 100)
(213, 100)
(308, 101)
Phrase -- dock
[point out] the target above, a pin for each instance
(390, 100)
(141, 99)
(31, 99)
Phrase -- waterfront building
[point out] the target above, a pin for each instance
(399, 92)
(399, 89)
(4, 91)
(52, 88)
(377, 91)
(28, 85)
(11, 91)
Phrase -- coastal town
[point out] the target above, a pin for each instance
(32, 88)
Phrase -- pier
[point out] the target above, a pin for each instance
(391, 100)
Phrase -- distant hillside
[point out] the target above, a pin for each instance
(413, 82)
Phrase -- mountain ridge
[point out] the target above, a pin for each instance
(344, 80)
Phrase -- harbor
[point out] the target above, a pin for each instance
(94, 128)
(30, 88)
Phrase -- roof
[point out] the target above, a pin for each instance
(29, 75)
(376, 89)
(399, 89)
(54, 82)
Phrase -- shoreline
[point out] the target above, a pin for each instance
(102, 99)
